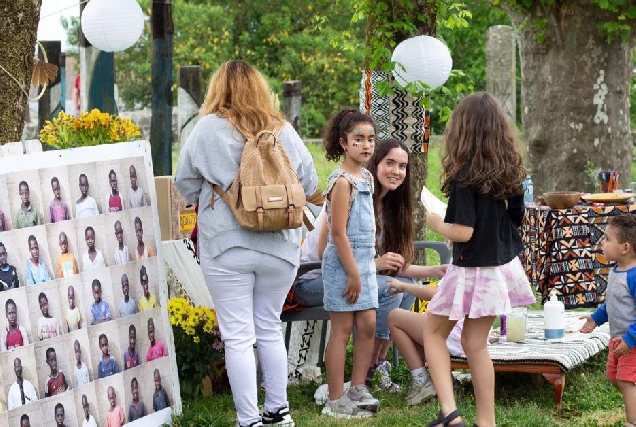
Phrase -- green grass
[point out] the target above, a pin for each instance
(521, 399)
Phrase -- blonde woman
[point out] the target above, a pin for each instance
(248, 273)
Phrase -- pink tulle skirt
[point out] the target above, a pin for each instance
(482, 291)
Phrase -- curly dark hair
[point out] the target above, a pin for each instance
(482, 149)
(625, 226)
(395, 208)
(338, 127)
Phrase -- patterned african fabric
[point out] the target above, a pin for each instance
(562, 251)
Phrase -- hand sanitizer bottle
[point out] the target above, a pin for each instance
(554, 317)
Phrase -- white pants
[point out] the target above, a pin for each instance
(248, 289)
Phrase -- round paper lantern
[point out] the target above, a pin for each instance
(112, 25)
(423, 58)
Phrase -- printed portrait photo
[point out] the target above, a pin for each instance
(45, 311)
(11, 264)
(57, 205)
(6, 214)
(61, 407)
(25, 199)
(105, 349)
(52, 360)
(80, 357)
(91, 243)
(35, 259)
(63, 248)
(20, 362)
(85, 192)
(110, 399)
(16, 329)
(85, 398)
(76, 300)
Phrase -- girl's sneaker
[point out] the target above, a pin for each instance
(385, 383)
(361, 397)
(420, 392)
(280, 418)
(254, 424)
(344, 408)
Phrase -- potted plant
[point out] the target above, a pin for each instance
(90, 128)
(199, 349)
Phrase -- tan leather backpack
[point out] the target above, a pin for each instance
(266, 194)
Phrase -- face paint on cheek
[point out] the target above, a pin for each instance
(357, 132)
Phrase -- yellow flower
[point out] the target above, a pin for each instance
(196, 339)
(90, 128)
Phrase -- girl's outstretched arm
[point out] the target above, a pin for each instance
(425, 292)
(419, 271)
(453, 232)
(323, 236)
(339, 197)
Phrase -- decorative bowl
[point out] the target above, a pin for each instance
(562, 199)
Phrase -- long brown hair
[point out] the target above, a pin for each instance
(396, 218)
(240, 93)
(482, 149)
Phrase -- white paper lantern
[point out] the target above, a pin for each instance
(424, 59)
(112, 25)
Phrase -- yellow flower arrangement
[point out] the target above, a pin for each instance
(197, 341)
(90, 128)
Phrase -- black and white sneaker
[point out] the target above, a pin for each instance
(279, 418)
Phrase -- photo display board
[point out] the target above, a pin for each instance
(74, 253)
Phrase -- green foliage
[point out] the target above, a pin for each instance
(623, 11)
(285, 40)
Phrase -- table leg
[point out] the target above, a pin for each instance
(558, 383)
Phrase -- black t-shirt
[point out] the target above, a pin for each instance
(496, 239)
(9, 278)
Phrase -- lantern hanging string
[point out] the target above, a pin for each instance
(62, 10)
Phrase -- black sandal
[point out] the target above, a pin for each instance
(445, 420)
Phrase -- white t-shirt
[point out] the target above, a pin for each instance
(90, 422)
(89, 265)
(81, 374)
(86, 208)
(14, 400)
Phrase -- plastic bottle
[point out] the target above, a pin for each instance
(528, 191)
(554, 317)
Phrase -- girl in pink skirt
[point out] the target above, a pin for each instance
(482, 175)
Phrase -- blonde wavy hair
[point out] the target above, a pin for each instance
(240, 93)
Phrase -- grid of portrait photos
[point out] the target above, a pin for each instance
(83, 296)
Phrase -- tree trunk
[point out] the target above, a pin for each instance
(575, 95)
(18, 24)
(423, 15)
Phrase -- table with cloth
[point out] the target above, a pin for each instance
(551, 358)
(562, 251)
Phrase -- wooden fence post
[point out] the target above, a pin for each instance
(189, 99)
(161, 120)
(292, 103)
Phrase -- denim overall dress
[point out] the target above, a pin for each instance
(361, 234)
